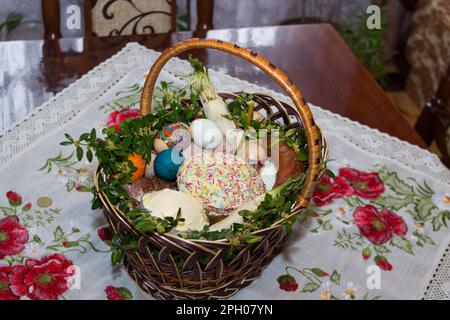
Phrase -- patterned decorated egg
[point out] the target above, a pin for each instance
(167, 163)
(219, 180)
(176, 134)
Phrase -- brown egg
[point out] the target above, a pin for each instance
(159, 145)
(287, 164)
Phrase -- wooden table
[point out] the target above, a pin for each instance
(313, 56)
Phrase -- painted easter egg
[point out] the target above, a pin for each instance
(219, 180)
(166, 164)
(206, 133)
(159, 145)
(176, 134)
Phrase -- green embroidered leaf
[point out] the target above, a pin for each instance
(403, 244)
(441, 220)
(424, 208)
(58, 234)
(319, 272)
(392, 180)
(125, 293)
(422, 239)
(347, 240)
(392, 202)
(353, 201)
(336, 278)
(310, 287)
(37, 239)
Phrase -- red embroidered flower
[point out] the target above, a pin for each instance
(14, 198)
(13, 236)
(287, 283)
(372, 225)
(27, 207)
(45, 279)
(367, 185)
(105, 233)
(397, 224)
(383, 263)
(329, 189)
(113, 293)
(366, 253)
(117, 117)
(5, 290)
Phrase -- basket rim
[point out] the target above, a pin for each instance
(167, 236)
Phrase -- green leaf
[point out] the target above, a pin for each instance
(125, 293)
(392, 202)
(353, 202)
(93, 136)
(335, 277)
(397, 185)
(12, 21)
(319, 272)
(68, 137)
(37, 239)
(79, 153)
(402, 244)
(424, 208)
(89, 155)
(423, 239)
(116, 257)
(330, 173)
(311, 287)
(58, 234)
(440, 220)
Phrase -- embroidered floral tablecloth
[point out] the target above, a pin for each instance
(377, 230)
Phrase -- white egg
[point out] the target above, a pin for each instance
(206, 133)
(269, 174)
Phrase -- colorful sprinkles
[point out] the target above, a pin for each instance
(219, 180)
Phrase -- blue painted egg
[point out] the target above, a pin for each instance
(167, 163)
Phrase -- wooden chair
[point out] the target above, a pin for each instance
(154, 16)
(434, 121)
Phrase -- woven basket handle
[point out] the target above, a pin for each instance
(311, 130)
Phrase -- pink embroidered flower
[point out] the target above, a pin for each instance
(13, 237)
(287, 283)
(45, 279)
(372, 225)
(14, 198)
(116, 117)
(367, 185)
(5, 290)
(329, 189)
(113, 293)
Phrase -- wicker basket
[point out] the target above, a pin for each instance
(156, 264)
